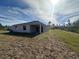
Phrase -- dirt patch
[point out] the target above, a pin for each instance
(39, 49)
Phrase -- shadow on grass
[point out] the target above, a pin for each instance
(20, 34)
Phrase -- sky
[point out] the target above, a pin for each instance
(21, 11)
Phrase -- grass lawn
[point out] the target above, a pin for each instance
(72, 39)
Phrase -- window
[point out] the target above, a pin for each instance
(24, 27)
(15, 26)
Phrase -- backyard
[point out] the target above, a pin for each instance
(54, 44)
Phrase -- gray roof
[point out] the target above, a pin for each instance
(31, 23)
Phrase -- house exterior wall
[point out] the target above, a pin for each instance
(45, 28)
(19, 28)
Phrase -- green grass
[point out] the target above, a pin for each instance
(72, 39)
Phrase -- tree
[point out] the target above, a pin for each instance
(76, 23)
(1, 27)
(69, 24)
(49, 22)
(75, 27)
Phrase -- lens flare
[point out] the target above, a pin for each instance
(54, 2)
(53, 5)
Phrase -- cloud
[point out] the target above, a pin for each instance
(17, 15)
(14, 3)
(29, 10)
(43, 9)
(38, 10)
(3, 17)
(73, 19)
(67, 9)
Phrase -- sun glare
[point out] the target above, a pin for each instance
(54, 2)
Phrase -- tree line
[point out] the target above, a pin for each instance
(73, 27)
(3, 27)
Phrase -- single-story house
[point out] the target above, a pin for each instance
(34, 27)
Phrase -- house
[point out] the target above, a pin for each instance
(34, 27)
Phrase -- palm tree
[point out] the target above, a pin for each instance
(69, 22)
(49, 22)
